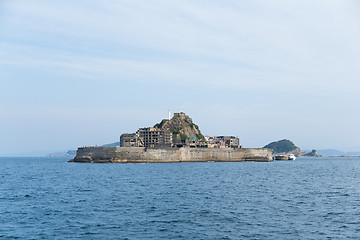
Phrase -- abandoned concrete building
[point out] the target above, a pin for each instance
(154, 138)
(130, 140)
(147, 137)
(222, 141)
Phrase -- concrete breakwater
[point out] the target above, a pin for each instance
(157, 155)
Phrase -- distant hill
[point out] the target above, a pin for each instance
(115, 144)
(282, 146)
(334, 152)
(72, 153)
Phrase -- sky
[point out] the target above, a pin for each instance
(76, 73)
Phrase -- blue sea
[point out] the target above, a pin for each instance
(310, 198)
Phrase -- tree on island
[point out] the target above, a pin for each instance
(282, 146)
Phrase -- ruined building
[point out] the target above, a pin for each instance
(147, 137)
(222, 141)
(153, 137)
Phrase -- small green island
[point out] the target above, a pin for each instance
(286, 147)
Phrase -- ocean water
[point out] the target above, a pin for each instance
(310, 198)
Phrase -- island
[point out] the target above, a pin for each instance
(172, 140)
(284, 148)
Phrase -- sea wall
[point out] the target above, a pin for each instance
(142, 155)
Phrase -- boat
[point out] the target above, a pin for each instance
(280, 157)
(291, 157)
(285, 157)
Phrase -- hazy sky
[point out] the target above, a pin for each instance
(76, 73)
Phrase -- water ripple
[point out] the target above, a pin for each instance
(44, 198)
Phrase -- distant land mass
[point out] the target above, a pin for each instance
(285, 147)
(72, 153)
(115, 144)
(334, 152)
(69, 153)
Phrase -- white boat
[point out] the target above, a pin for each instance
(281, 157)
(291, 157)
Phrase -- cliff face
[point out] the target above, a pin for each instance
(182, 126)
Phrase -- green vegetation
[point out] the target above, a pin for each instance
(182, 127)
(193, 126)
(159, 125)
(183, 136)
(281, 146)
(200, 137)
(175, 131)
(187, 120)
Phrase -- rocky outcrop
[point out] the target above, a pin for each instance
(297, 152)
(182, 126)
(313, 153)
